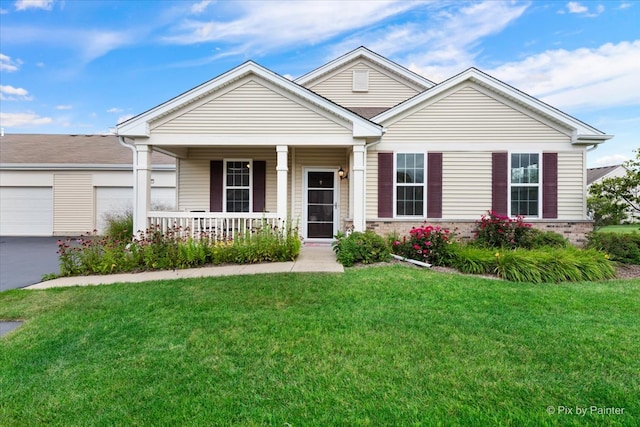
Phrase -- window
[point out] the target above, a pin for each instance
(410, 184)
(525, 184)
(237, 185)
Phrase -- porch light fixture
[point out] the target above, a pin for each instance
(341, 173)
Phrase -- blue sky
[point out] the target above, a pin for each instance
(81, 66)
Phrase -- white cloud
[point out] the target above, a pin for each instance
(270, 25)
(64, 107)
(10, 93)
(444, 46)
(8, 65)
(577, 8)
(124, 118)
(200, 6)
(34, 4)
(610, 160)
(114, 110)
(23, 119)
(3, 11)
(583, 78)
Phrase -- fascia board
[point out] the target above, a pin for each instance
(481, 78)
(371, 56)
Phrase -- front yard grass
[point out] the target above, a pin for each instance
(374, 346)
(623, 228)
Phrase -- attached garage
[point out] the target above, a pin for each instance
(26, 211)
(62, 185)
(118, 200)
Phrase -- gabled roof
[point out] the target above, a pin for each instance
(363, 52)
(582, 132)
(69, 151)
(594, 174)
(139, 125)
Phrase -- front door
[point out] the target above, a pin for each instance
(321, 204)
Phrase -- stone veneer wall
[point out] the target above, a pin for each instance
(575, 231)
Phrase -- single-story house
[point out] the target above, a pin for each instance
(64, 185)
(604, 172)
(363, 143)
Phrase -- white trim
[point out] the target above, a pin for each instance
(582, 131)
(224, 184)
(305, 201)
(363, 52)
(424, 186)
(138, 126)
(538, 185)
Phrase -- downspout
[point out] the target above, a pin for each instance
(135, 170)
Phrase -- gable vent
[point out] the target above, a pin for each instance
(360, 80)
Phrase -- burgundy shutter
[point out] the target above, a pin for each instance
(216, 185)
(499, 180)
(259, 188)
(434, 185)
(549, 185)
(385, 185)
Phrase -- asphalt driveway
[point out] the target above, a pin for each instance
(23, 260)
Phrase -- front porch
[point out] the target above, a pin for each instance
(318, 190)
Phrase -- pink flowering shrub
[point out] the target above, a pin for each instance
(428, 244)
(500, 231)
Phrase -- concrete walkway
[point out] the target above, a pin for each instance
(313, 258)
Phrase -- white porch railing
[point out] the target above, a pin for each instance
(212, 225)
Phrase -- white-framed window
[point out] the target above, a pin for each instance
(409, 184)
(237, 186)
(524, 182)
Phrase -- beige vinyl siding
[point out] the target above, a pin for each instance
(321, 158)
(250, 108)
(472, 117)
(466, 184)
(73, 205)
(384, 90)
(571, 186)
(194, 174)
(371, 184)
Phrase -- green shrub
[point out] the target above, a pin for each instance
(428, 244)
(359, 247)
(119, 226)
(535, 239)
(155, 250)
(621, 247)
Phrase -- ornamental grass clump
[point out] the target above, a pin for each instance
(428, 244)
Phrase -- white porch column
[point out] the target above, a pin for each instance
(142, 187)
(357, 177)
(282, 171)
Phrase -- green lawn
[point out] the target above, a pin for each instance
(377, 346)
(626, 228)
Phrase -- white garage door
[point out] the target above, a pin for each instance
(118, 200)
(26, 211)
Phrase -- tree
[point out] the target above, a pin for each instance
(614, 200)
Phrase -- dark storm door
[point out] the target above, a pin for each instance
(321, 204)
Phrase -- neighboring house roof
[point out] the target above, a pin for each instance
(363, 52)
(59, 150)
(595, 174)
(138, 126)
(581, 132)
